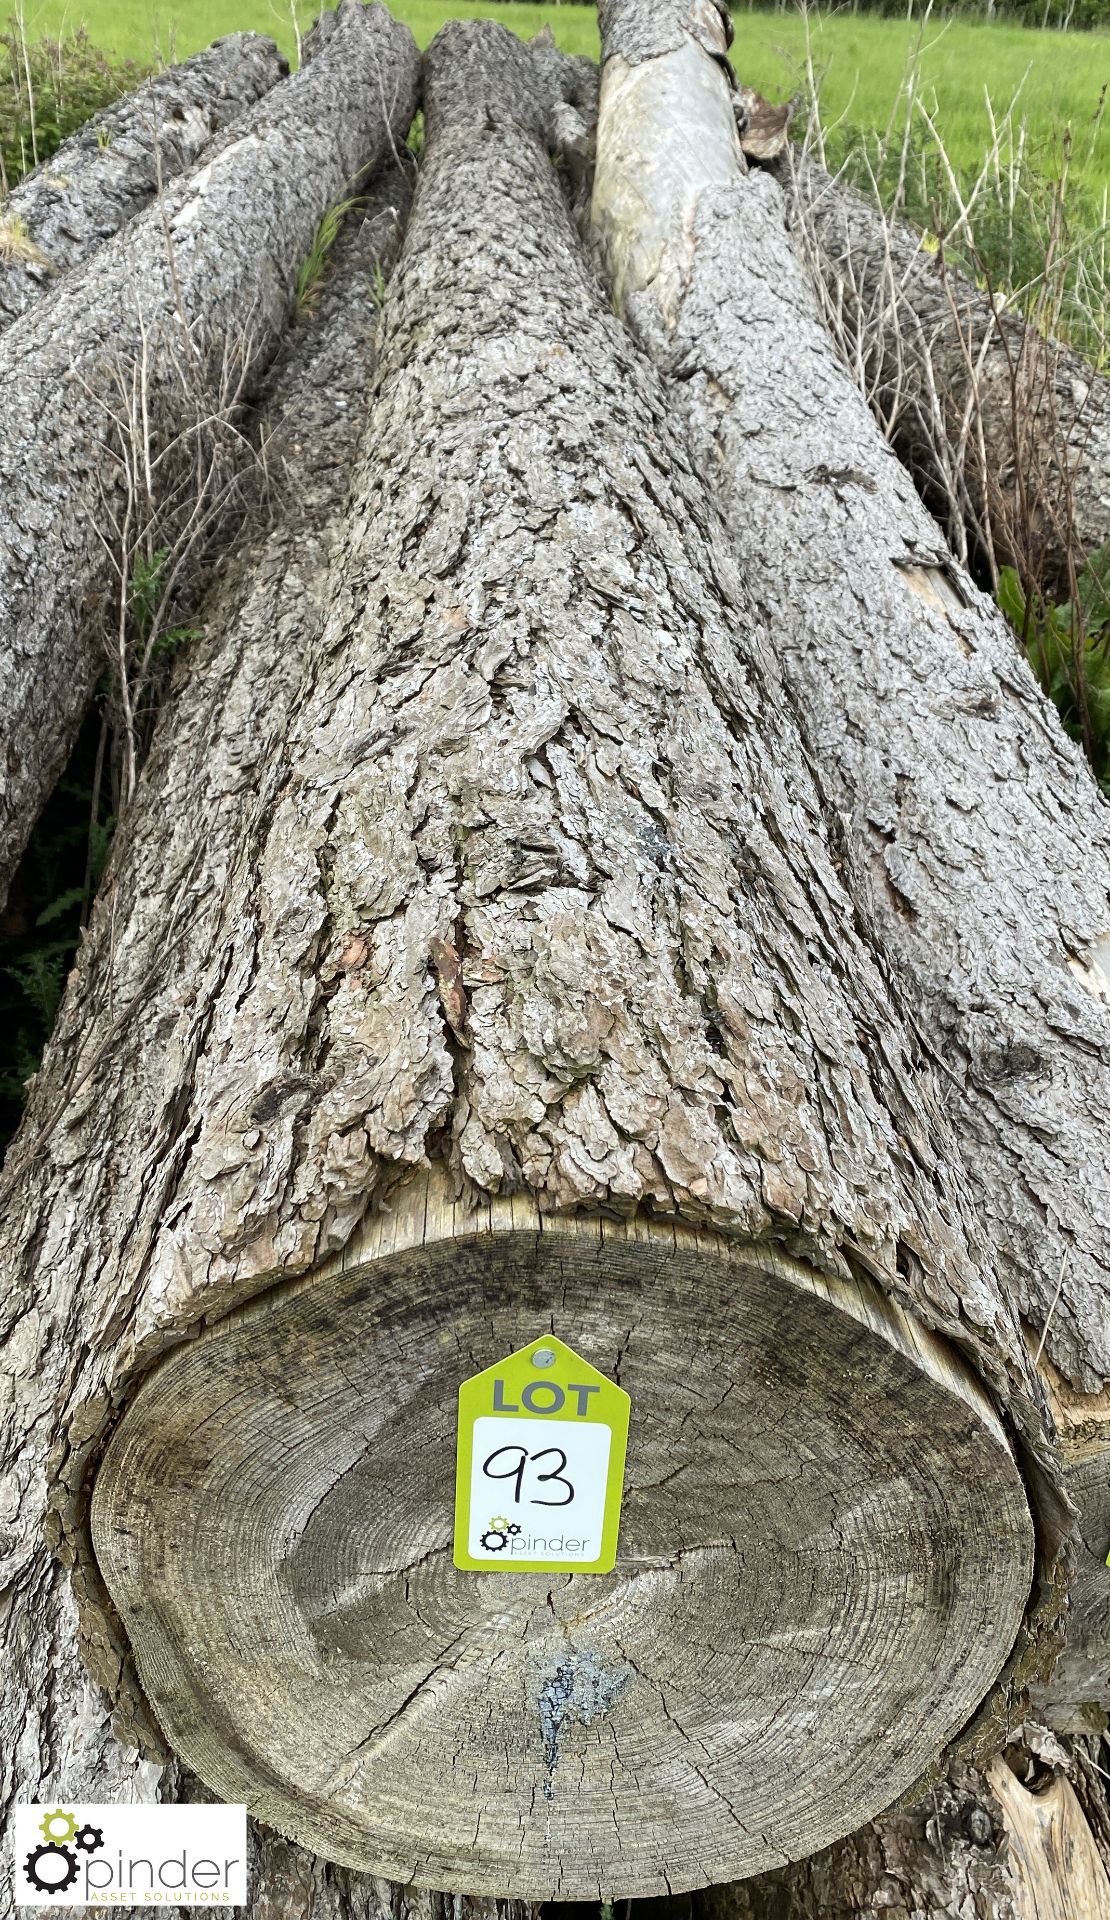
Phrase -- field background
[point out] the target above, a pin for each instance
(1059, 79)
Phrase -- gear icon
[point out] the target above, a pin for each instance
(494, 1540)
(89, 1839)
(499, 1524)
(513, 1528)
(51, 1850)
(50, 1829)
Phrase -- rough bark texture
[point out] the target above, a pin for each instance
(204, 278)
(218, 735)
(981, 1847)
(112, 167)
(535, 878)
(939, 357)
(979, 831)
(1077, 1696)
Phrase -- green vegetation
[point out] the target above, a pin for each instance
(1030, 13)
(1069, 650)
(16, 245)
(1039, 100)
(147, 591)
(1060, 78)
(310, 273)
(50, 87)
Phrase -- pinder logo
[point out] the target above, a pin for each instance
(88, 1856)
(498, 1534)
(51, 1867)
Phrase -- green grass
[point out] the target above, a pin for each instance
(1060, 77)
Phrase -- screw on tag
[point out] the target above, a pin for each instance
(540, 1469)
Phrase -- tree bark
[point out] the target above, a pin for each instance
(1077, 1696)
(982, 1847)
(1006, 433)
(978, 827)
(188, 301)
(502, 920)
(111, 169)
(219, 732)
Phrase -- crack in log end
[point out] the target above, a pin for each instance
(579, 1691)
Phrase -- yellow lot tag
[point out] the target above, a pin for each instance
(542, 1442)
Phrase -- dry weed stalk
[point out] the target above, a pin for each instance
(163, 497)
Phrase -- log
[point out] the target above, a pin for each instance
(513, 986)
(220, 729)
(1006, 432)
(112, 167)
(978, 830)
(974, 884)
(191, 298)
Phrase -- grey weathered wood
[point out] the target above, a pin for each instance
(979, 833)
(218, 735)
(525, 873)
(112, 167)
(940, 357)
(207, 274)
(904, 712)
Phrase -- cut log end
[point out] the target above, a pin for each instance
(825, 1554)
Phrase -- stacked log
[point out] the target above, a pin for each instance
(981, 1846)
(1006, 432)
(221, 731)
(978, 827)
(981, 838)
(189, 300)
(523, 980)
(113, 166)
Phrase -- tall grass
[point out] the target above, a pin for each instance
(863, 59)
(1022, 260)
(50, 87)
(1022, 201)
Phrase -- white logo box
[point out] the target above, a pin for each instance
(68, 1854)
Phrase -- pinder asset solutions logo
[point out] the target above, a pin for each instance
(91, 1856)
